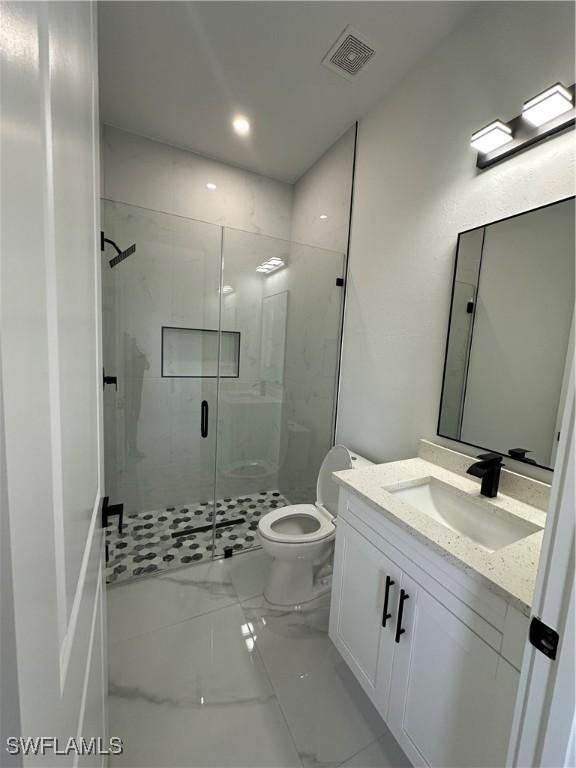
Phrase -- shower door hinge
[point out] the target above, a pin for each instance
(109, 380)
(112, 510)
(340, 282)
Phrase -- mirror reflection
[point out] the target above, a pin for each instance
(510, 335)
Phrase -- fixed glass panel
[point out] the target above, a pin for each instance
(158, 462)
(510, 344)
(275, 421)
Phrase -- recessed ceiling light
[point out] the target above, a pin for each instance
(551, 103)
(323, 216)
(491, 137)
(241, 125)
(211, 186)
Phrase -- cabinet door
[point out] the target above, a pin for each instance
(452, 695)
(362, 578)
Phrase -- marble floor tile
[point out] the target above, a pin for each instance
(291, 642)
(196, 694)
(328, 714)
(204, 672)
(249, 572)
(144, 605)
(383, 753)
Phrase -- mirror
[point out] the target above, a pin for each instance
(510, 335)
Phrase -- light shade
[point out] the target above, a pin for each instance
(551, 103)
(241, 125)
(491, 137)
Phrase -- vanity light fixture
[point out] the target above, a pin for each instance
(241, 125)
(492, 136)
(211, 186)
(544, 115)
(551, 103)
(272, 265)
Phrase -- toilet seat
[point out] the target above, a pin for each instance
(275, 525)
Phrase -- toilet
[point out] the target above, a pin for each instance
(300, 537)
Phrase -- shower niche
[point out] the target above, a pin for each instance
(226, 379)
(200, 353)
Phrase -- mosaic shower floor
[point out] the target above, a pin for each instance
(147, 544)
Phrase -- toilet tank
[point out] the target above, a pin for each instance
(337, 459)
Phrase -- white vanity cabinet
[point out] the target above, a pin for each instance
(367, 605)
(433, 662)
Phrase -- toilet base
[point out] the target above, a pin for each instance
(294, 582)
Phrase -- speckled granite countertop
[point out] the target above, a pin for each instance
(510, 571)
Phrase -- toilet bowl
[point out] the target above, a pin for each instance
(300, 537)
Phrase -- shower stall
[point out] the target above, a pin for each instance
(222, 350)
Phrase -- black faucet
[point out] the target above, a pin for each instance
(520, 455)
(488, 468)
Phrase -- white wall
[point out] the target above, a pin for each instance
(143, 172)
(417, 187)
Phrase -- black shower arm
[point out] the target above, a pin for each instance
(110, 242)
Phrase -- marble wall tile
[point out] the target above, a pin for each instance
(311, 362)
(154, 175)
(136, 171)
(325, 190)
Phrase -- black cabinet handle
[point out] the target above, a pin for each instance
(204, 418)
(385, 614)
(399, 630)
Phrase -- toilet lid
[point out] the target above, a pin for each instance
(295, 524)
(337, 458)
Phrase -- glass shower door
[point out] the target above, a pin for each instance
(276, 418)
(161, 341)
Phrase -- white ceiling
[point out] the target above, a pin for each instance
(178, 71)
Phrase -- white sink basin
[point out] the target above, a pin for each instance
(488, 526)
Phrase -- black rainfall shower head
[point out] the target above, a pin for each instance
(120, 255)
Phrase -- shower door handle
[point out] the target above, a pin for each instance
(204, 418)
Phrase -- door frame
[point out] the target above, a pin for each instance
(544, 716)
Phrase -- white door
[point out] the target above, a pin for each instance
(544, 731)
(364, 604)
(51, 373)
(452, 695)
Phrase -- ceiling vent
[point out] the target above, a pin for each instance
(349, 54)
